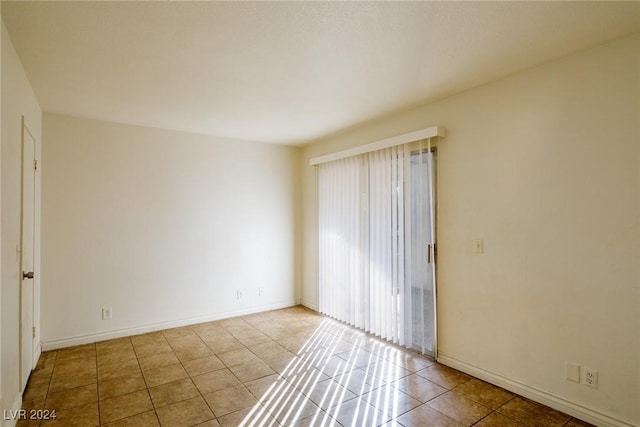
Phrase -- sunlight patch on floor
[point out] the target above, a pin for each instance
(352, 363)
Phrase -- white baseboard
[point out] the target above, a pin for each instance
(310, 304)
(574, 409)
(124, 332)
(7, 420)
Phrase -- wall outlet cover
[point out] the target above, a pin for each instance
(590, 377)
(572, 372)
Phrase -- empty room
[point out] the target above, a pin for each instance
(320, 213)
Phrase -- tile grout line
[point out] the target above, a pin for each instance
(49, 385)
(189, 375)
(145, 383)
(95, 347)
(266, 408)
(234, 374)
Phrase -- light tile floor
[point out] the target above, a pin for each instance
(284, 367)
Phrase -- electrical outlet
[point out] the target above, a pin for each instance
(478, 246)
(590, 377)
(239, 295)
(107, 313)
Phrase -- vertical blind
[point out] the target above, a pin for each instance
(376, 236)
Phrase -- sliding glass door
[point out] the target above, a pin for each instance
(422, 242)
(377, 243)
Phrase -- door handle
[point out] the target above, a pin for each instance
(431, 253)
(28, 275)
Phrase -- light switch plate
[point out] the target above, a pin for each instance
(572, 372)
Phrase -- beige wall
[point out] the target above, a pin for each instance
(164, 227)
(18, 100)
(544, 166)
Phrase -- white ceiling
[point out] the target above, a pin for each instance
(286, 72)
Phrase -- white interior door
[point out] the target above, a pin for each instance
(27, 255)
